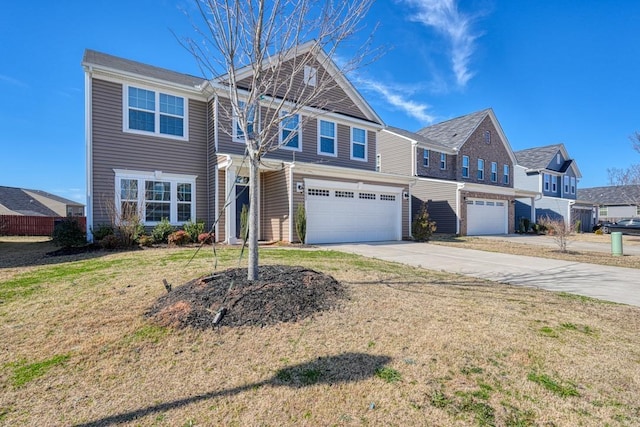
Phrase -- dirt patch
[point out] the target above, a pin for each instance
(283, 294)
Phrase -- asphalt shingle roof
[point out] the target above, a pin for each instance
(611, 195)
(455, 132)
(15, 199)
(421, 139)
(538, 157)
(92, 57)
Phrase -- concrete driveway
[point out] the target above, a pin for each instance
(615, 284)
(630, 244)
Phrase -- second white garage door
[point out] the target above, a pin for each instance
(352, 212)
(486, 217)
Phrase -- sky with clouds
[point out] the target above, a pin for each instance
(554, 72)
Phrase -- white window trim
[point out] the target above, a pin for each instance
(546, 178)
(573, 185)
(335, 138)
(234, 123)
(443, 161)
(566, 184)
(465, 167)
(173, 179)
(366, 144)
(505, 174)
(310, 75)
(494, 171)
(281, 142)
(480, 169)
(156, 132)
(554, 184)
(425, 157)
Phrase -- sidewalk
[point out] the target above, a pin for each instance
(614, 284)
(630, 244)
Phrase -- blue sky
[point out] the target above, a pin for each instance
(553, 71)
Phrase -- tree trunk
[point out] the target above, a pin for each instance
(254, 189)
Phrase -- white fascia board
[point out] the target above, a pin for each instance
(355, 186)
(128, 173)
(489, 189)
(347, 173)
(118, 76)
(421, 144)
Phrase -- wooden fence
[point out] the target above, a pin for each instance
(16, 225)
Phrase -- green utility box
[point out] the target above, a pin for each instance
(616, 243)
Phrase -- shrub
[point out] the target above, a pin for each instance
(101, 231)
(423, 227)
(161, 231)
(111, 241)
(244, 222)
(194, 229)
(205, 238)
(145, 240)
(68, 233)
(301, 223)
(178, 238)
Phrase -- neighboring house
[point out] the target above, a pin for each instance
(463, 169)
(550, 171)
(25, 202)
(156, 141)
(614, 202)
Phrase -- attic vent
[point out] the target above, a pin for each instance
(310, 75)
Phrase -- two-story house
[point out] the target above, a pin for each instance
(463, 169)
(156, 140)
(550, 171)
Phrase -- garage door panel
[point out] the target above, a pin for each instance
(486, 217)
(340, 215)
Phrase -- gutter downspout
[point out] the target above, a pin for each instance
(216, 203)
(458, 207)
(88, 129)
(228, 190)
(291, 192)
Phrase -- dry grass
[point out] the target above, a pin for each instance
(552, 251)
(411, 347)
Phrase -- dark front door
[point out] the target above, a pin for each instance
(242, 199)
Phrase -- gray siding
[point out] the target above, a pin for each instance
(275, 206)
(395, 154)
(441, 203)
(115, 149)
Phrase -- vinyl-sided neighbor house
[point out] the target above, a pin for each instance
(463, 169)
(156, 140)
(552, 172)
(613, 202)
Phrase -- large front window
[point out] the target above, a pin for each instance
(152, 197)
(158, 113)
(327, 138)
(358, 144)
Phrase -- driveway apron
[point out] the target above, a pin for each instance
(616, 284)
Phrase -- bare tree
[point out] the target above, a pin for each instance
(258, 52)
(630, 175)
(561, 232)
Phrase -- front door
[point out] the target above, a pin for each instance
(242, 199)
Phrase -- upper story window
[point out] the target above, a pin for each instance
(443, 161)
(554, 184)
(425, 158)
(505, 174)
(310, 75)
(566, 184)
(558, 158)
(290, 138)
(573, 185)
(152, 112)
(327, 138)
(465, 166)
(487, 137)
(358, 144)
(547, 181)
(638, 210)
(494, 172)
(480, 169)
(238, 133)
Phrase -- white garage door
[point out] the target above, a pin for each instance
(486, 217)
(352, 212)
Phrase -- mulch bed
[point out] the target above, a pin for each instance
(282, 294)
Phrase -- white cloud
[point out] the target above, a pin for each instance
(444, 17)
(398, 99)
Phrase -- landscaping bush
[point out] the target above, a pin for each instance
(244, 222)
(423, 227)
(110, 242)
(194, 229)
(101, 231)
(145, 240)
(161, 231)
(67, 233)
(178, 238)
(301, 223)
(205, 238)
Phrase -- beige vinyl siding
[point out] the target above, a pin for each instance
(115, 149)
(441, 199)
(275, 206)
(395, 154)
(333, 98)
